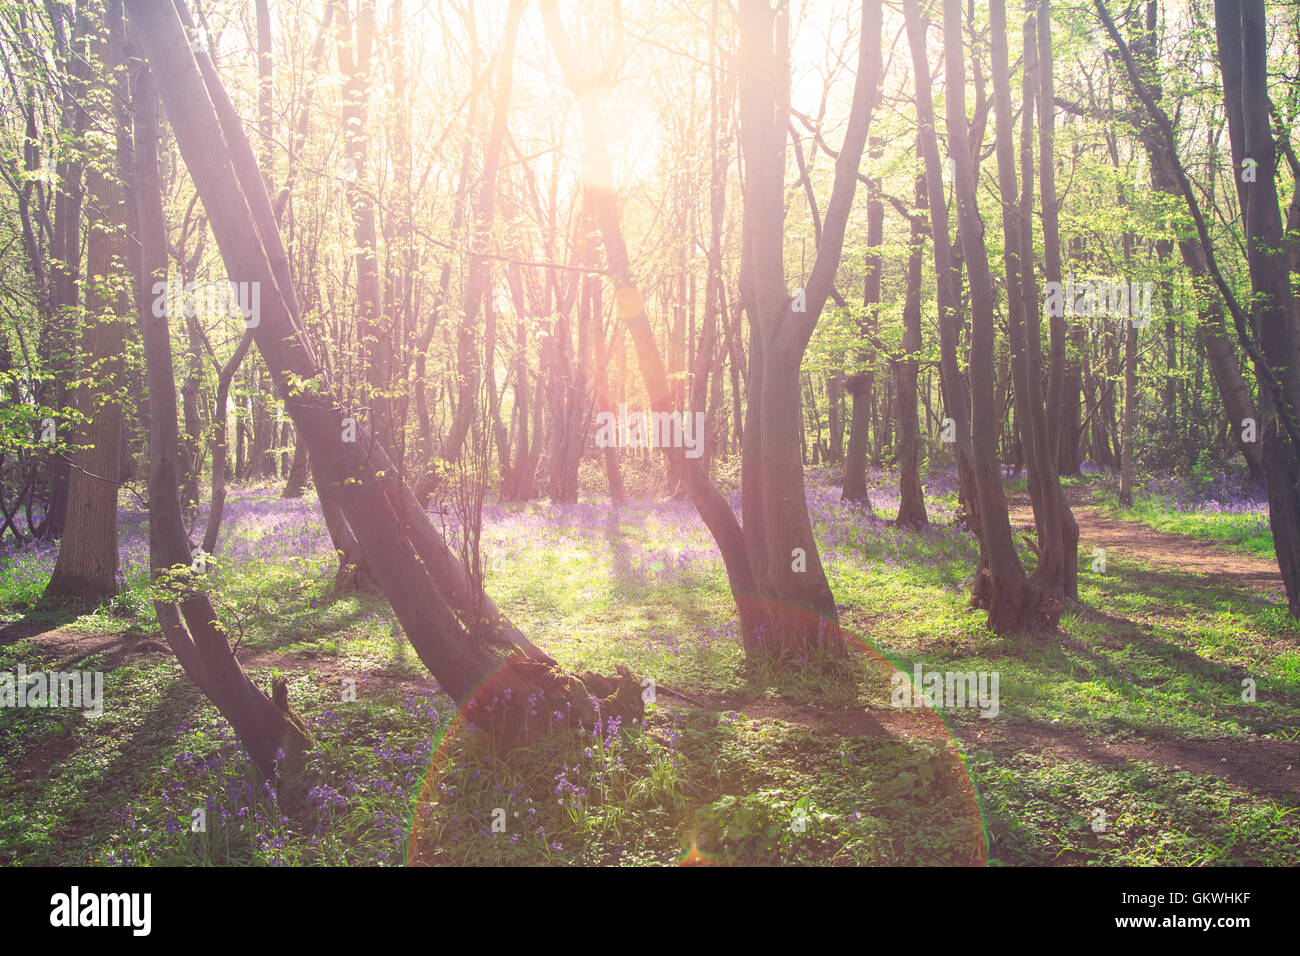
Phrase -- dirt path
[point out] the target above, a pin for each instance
(1129, 539)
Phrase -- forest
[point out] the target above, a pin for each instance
(649, 433)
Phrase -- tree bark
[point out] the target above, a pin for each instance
(427, 586)
(955, 400)
(911, 503)
(274, 737)
(1242, 36)
(1013, 603)
(860, 385)
(87, 565)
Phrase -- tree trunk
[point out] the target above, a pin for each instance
(1129, 415)
(296, 484)
(953, 388)
(428, 587)
(1013, 603)
(1058, 568)
(274, 737)
(355, 45)
(1242, 36)
(860, 386)
(911, 503)
(477, 286)
(65, 246)
(86, 569)
(786, 608)
(220, 454)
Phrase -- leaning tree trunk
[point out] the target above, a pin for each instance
(273, 735)
(429, 589)
(785, 604)
(601, 205)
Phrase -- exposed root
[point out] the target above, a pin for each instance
(295, 742)
(525, 697)
(1032, 610)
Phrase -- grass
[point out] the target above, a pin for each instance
(784, 771)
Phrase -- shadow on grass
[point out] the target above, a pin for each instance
(89, 821)
(38, 620)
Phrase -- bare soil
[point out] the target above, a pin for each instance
(1129, 539)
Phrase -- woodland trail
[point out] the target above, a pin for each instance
(1131, 540)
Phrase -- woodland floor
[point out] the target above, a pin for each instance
(1133, 709)
(1145, 545)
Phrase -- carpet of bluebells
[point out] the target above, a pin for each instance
(160, 779)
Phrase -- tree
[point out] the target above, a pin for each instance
(786, 607)
(273, 735)
(426, 584)
(955, 399)
(911, 503)
(1013, 602)
(1267, 334)
(88, 561)
(1243, 48)
(1056, 574)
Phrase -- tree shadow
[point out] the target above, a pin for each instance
(36, 621)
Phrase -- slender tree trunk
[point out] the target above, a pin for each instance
(1129, 415)
(429, 588)
(220, 454)
(65, 244)
(911, 504)
(477, 287)
(274, 736)
(296, 484)
(1059, 557)
(1013, 603)
(860, 386)
(953, 388)
(355, 48)
(86, 569)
